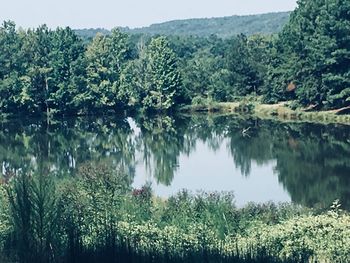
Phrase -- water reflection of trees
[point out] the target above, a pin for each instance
(161, 144)
(62, 146)
(312, 161)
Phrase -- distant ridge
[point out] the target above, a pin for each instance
(224, 27)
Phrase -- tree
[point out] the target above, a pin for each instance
(38, 45)
(67, 50)
(131, 83)
(10, 69)
(314, 54)
(204, 78)
(162, 84)
(106, 58)
(245, 64)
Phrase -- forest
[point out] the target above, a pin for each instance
(56, 72)
(223, 27)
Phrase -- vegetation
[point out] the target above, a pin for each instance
(223, 27)
(311, 56)
(54, 72)
(80, 205)
(103, 219)
(254, 107)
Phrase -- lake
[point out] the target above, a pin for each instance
(258, 160)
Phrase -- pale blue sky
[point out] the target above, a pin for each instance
(132, 13)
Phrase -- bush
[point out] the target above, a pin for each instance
(246, 106)
(102, 219)
(5, 220)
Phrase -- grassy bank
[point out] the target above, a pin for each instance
(281, 111)
(98, 217)
(252, 106)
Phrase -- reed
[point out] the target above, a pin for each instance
(97, 217)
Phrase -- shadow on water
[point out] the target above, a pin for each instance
(312, 160)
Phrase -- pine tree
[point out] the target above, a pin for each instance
(313, 53)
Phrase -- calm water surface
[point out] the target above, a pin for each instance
(308, 164)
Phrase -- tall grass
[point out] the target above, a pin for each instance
(97, 217)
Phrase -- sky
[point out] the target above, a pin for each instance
(132, 13)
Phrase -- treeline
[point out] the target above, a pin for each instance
(53, 71)
(56, 72)
(223, 27)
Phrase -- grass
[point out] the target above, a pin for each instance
(281, 111)
(98, 217)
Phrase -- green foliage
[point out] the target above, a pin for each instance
(91, 205)
(55, 72)
(131, 84)
(224, 27)
(245, 106)
(215, 210)
(105, 58)
(221, 70)
(204, 77)
(38, 78)
(10, 70)
(246, 62)
(312, 52)
(65, 56)
(97, 216)
(319, 238)
(33, 213)
(162, 79)
(5, 218)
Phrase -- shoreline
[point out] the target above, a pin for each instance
(279, 112)
(246, 107)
